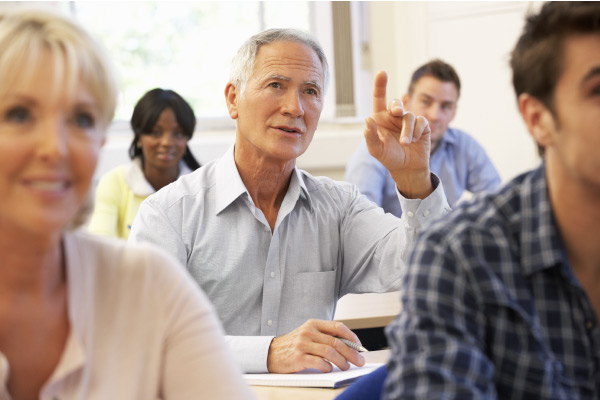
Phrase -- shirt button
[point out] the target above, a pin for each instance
(267, 228)
(410, 214)
(426, 213)
(269, 322)
(272, 274)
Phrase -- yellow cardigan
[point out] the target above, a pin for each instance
(118, 197)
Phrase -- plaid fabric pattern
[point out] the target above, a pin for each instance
(492, 309)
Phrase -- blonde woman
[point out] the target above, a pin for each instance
(83, 317)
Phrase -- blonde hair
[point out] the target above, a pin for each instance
(78, 58)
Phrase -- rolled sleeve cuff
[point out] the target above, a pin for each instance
(250, 352)
(420, 212)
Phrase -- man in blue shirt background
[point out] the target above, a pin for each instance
(456, 157)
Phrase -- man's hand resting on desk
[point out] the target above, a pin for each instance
(310, 345)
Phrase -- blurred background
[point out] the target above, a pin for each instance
(188, 46)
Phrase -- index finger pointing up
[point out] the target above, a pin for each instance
(379, 103)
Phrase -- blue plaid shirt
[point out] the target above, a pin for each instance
(492, 309)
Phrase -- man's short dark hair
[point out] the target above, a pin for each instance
(537, 59)
(439, 70)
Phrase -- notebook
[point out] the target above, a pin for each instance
(312, 377)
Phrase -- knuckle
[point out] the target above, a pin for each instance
(334, 342)
(303, 334)
(330, 353)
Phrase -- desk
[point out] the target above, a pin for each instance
(369, 310)
(295, 393)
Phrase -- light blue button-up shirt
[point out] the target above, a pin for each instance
(328, 241)
(460, 162)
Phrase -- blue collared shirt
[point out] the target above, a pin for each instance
(328, 241)
(492, 308)
(460, 162)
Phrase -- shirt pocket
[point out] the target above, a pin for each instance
(317, 292)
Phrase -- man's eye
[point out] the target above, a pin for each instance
(311, 92)
(18, 115)
(84, 120)
(275, 85)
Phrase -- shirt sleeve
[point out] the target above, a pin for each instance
(250, 352)
(368, 174)
(437, 340)
(197, 361)
(105, 218)
(151, 225)
(376, 246)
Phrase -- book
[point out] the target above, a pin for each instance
(312, 377)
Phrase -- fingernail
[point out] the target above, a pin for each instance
(405, 139)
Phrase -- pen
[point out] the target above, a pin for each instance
(353, 345)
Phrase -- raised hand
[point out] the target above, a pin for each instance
(314, 344)
(401, 141)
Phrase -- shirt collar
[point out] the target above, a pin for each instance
(136, 180)
(229, 184)
(298, 183)
(449, 137)
(78, 305)
(541, 244)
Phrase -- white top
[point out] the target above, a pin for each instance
(140, 329)
(328, 241)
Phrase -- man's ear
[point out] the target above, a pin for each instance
(231, 98)
(538, 119)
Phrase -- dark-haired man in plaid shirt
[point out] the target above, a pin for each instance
(502, 297)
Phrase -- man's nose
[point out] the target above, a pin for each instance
(292, 104)
(434, 112)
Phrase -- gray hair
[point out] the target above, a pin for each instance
(244, 60)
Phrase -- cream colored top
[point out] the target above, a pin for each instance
(140, 329)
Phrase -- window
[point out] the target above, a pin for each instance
(184, 46)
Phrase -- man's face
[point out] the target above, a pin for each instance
(573, 143)
(278, 112)
(436, 101)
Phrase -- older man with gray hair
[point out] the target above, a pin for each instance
(273, 247)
